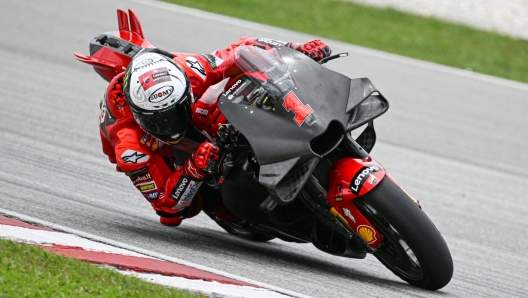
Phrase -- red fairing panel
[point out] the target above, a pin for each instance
(348, 179)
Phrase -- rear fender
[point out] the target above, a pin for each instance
(348, 179)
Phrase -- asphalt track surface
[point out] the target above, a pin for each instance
(455, 140)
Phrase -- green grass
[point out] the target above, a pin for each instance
(385, 29)
(29, 271)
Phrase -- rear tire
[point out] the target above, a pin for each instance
(412, 248)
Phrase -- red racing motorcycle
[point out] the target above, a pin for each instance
(290, 167)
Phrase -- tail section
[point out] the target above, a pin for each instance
(111, 52)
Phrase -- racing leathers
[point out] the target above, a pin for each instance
(172, 188)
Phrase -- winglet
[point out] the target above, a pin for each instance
(135, 25)
(95, 61)
(122, 20)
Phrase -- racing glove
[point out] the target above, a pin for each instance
(182, 186)
(316, 49)
(202, 161)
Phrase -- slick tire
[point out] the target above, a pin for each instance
(412, 248)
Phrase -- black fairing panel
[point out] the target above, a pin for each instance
(273, 134)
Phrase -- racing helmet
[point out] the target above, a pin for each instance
(159, 95)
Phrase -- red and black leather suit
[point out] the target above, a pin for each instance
(151, 164)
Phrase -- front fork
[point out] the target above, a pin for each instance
(348, 179)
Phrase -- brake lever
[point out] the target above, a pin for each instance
(324, 60)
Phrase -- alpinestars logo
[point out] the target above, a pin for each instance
(131, 156)
(361, 176)
(196, 67)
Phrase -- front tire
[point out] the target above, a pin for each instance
(412, 248)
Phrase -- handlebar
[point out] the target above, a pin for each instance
(324, 60)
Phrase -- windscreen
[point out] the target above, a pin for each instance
(262, 80)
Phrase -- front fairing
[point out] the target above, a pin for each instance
(303, 104)
(303, 115)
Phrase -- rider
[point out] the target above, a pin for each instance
(154, 107)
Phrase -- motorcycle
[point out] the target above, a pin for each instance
(291, 169)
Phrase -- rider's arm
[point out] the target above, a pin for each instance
(169, 192)
(208, 69)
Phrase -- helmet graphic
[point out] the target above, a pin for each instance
(159, 96)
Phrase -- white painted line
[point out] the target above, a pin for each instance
(348, 47)
(207, 288)
(146, 252)
(20, 234)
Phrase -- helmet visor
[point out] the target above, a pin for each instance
(166, 124)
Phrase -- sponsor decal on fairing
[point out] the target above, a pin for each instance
(339, 193)
(132, 156)
(366, 233)
(234, 87)
(349, 214)
(195, 65)
(365, 174)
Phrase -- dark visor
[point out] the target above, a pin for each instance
(171, 121)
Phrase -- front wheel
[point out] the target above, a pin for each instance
(412, 248)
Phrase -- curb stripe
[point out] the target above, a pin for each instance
(74, 239)
(17, 223)
(140, 264)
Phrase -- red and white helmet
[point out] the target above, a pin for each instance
(159, 95)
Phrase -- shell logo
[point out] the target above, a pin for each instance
(367, 233)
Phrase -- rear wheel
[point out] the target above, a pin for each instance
(412, 248)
